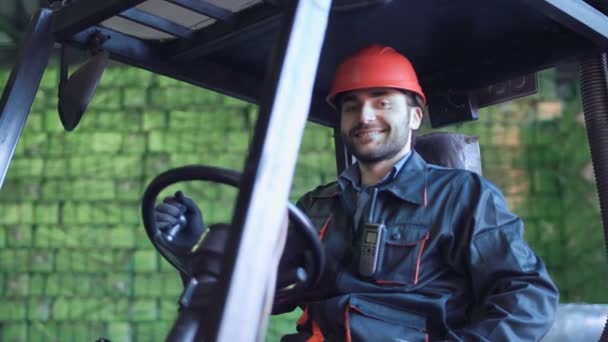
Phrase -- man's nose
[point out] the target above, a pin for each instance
(367, 112)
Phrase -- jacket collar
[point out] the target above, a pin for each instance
(410, 184)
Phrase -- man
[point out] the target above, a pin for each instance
(415, 252)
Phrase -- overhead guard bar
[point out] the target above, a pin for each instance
(577, 15)
(149, 56)
(205, 8)
(157, 23)
(81, 15)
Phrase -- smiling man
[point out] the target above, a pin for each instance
(376, 126)
(415, 252)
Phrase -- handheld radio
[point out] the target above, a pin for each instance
(371, 247)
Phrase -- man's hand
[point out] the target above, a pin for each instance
(179, 216)
(180, 225)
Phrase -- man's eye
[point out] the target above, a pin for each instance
(385, 104)
(348, 107)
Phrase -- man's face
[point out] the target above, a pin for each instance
(376, 123)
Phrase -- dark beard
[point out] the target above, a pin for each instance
(383, 152)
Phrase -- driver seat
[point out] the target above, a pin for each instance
(451, 150)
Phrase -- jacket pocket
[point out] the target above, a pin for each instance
(367, 320)
(403, 250)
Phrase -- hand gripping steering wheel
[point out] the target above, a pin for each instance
(180, 251)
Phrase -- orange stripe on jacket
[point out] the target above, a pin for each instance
(304, 318)
(324, 228)
(317, 334)
(346, 324)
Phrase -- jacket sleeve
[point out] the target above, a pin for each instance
(514, 297)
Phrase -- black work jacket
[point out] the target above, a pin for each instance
(455, 265)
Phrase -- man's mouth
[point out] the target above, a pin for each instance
(367, 133)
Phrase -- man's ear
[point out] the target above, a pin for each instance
(415, 117)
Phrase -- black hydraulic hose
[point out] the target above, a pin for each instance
(593, 75)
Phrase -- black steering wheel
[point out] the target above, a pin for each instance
(293, 279)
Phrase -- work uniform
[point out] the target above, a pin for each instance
(454, 265)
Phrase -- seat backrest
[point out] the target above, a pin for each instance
(448, 149)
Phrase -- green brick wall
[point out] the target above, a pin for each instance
(75, 263)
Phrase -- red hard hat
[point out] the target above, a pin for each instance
(375, 66)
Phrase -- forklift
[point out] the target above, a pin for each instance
(280, 55)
